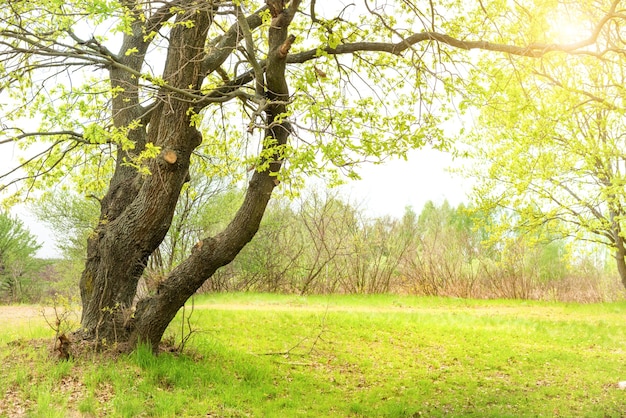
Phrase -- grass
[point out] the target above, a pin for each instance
(264, 355)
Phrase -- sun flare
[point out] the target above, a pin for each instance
(566, 28)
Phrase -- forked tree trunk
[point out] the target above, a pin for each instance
(137, 211)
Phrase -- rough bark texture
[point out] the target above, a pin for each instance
(155, 313)
(137, 211)
(616, 238)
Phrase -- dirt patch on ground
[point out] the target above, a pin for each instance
(24, 312)
(38, 314)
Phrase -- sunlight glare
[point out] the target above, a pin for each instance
(568, 29)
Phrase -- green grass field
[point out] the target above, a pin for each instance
(376, 356)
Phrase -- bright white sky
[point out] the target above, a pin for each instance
(388, 188)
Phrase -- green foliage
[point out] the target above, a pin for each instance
(18, 266)
(346, 109)
(72, 217)
(548, 140)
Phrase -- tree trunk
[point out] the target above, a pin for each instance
(137, 211)
(620, 258)
(154, 313)
(618, 242)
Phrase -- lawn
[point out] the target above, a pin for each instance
(262, 355)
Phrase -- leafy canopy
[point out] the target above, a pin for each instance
(370, 81)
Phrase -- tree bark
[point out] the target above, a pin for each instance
(137, 211)
(618, 242)
(620, 255)
(154, 313)
(620, 258)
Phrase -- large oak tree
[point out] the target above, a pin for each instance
(127, 94)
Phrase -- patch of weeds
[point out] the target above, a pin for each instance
(88, 406)
(398, 409)
(43, 402)
(59, 370)
(129, 406)
(143, 356)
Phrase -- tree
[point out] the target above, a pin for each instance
(71, 217)
(131, 92)
(447, 250)
(552, 148)
(17, 256)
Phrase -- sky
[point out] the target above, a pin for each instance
(387, 189)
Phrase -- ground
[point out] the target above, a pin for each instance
(325, 356)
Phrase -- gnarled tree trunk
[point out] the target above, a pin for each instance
(137, 210)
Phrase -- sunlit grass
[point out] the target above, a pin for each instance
(268, 355)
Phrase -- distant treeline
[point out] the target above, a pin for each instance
(321, 243)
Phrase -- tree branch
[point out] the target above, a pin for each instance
(533, 50)
(223, 45)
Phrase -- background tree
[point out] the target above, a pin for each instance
(303, 246)
(551, 147)
(71, 217)
(18, 266)
(131, 93)
(466, 251)
(447, 251)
